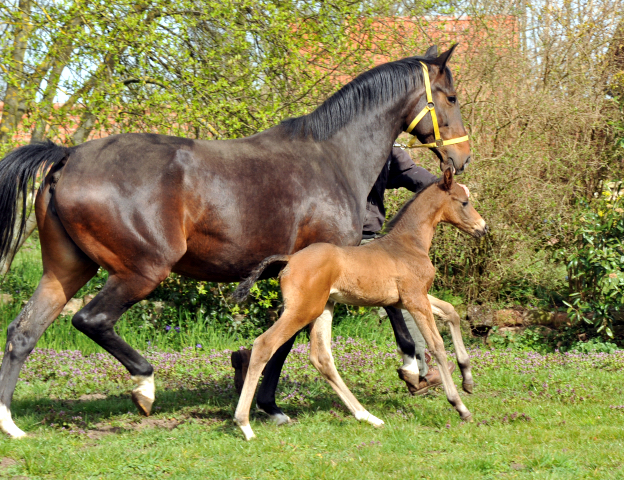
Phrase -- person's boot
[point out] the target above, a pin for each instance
(240, 362)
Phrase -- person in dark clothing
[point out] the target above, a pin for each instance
(399, 171)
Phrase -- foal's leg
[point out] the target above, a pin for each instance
(420, 308)
(446, 312)
(265, 401)
(97, 319)
(323, 361)
(65, 269)
(298, 314)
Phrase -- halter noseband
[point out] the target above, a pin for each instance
(430, 107)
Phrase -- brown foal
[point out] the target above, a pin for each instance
(393, 270)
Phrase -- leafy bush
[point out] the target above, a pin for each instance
(595, 259)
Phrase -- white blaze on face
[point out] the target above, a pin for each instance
(7, 425)
(144, 386)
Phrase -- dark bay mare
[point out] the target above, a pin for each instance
(144, 205)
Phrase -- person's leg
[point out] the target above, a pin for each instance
(419, 343)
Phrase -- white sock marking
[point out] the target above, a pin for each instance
(144, 385)
(409, 364)
(280, 418)
(247, 431)
(367, 417)
(7, 425)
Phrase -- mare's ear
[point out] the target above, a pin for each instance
(432, 52)
(443, 59)
(447, 180)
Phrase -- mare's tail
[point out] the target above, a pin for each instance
(276, 264)
(18, 173)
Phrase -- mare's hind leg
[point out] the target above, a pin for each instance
(447, 313)
(323, 360)
(99, 316)
(420, 308)
(65, 269)
(265, 401)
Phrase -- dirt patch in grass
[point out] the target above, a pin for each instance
(205, 418)
(6, 463)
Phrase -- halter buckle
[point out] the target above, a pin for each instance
(439, 142)
(431, 105)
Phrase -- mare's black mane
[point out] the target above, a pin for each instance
(385, 83)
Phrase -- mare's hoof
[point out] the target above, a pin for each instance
(280, 419)
(468, 387)
(411, 379)
(143, 403)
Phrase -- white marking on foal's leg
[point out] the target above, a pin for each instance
(409, 363)
(247, 431)
(7, 425)
(364, 416)
(143, 394)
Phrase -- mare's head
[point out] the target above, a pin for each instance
(457, 209)
(447, 111)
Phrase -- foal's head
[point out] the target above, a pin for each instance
(457, 209)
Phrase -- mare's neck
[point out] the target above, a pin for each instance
(365, 143)
(417, 225)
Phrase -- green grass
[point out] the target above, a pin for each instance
(535, 416)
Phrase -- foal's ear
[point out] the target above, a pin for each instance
(447, 180)
(432, 52)
(443, 59)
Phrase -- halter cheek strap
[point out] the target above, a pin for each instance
(430, 108)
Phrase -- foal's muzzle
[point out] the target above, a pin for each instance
(480, 231)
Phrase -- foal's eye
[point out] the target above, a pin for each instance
(452, 99)
(464, 204)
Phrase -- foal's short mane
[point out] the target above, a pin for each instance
(397, 218)
(385, 83)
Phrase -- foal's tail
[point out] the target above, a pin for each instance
(275, 264)
(18, 173)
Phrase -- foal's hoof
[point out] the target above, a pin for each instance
(466, 417)
(468, 387)
(246, 429)
(143, 403)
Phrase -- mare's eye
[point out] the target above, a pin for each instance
(452, 99)
(464, 204)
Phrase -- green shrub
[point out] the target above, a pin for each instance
(595, 258)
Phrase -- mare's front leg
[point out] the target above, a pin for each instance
(420, 308)
(323, 360)
(447, 313)
(409, 371)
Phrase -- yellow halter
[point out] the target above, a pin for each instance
(430, 107)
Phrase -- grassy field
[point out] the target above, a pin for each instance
(535, 416)
(543, 416)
